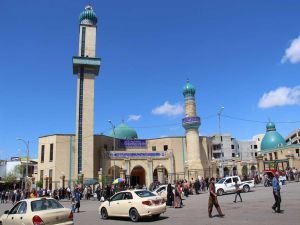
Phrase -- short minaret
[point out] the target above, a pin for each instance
(86, 66)
(191, 123)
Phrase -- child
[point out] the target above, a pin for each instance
(73, 204)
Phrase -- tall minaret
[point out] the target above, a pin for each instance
(191, 123)
(86, 67)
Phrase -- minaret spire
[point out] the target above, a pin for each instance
(191, 124)
(86, 66)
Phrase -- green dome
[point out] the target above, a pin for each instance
(188, 89)
(124, 132)
(272, 138)
(88, 16)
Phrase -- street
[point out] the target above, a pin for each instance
(255, 210)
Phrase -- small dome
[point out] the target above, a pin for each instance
(188, 89)
(272, 138)
(124, 132)
(271, 126)
(88, 16)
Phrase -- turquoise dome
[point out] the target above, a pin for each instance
(88, 16)
(124, 132)
(188, 89)
(272, 138)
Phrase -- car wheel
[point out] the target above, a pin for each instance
(220, 192)
(134, 215)
(104, 214)
(156, 216)
(246, 188)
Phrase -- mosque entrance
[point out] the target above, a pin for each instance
(137, 176)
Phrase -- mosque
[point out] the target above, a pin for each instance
(88, 158)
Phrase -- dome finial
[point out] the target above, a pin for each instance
(188, 89)
(88, 16)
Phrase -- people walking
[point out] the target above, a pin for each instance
(177, 198)
(77, 199)
(170, 195)
(276, 192)
(237, 191)
(213, 201)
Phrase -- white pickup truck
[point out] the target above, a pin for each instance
(227, 185)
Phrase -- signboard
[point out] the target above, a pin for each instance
(132, 143)
(188, 120)
(136, 155)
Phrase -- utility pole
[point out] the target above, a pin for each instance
(222, 156)
(114, 147)
(27, 159)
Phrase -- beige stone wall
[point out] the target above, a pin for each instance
(190, 108)
(87, 126)
(90, 41)
(61, 159)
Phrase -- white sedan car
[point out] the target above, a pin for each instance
(37, 211)
(134, 204)
(162, 190)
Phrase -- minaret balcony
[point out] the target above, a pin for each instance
(89, 65)
(191, 122)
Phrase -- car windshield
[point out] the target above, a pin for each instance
(221, 181)
(144, 194)
(45, 204)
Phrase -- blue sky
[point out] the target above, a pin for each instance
(243, 55)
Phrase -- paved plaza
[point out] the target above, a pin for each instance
(255, 210)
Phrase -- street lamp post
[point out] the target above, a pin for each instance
(27, 158)
(222, 157)
(114, 147)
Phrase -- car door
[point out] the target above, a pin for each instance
(20, 216)
(229, 185)
(114, 204)
(11, 218)
(126, 203)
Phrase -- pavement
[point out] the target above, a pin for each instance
(254, 210)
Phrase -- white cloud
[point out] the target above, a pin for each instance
(134, 117)
(168, 109)
(292, 53)
(280, 97)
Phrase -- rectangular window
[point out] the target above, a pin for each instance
(51, 153)
(50, 179)
(232, 146)
(42, 153)
(233, 154)
(105, 147)
(255, 146)
(255, 154)
(275, 155)
(270, 156)
(42, 175)
(221, 138)
(165, 147)
(153, 148)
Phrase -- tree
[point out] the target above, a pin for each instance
(39, 184)
(10, 178)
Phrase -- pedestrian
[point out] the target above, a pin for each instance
(276, 193)
(212, 200)
(77, 199)
(237, 190)
(177, 198)
(170, 195)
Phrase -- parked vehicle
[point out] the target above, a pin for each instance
(133, 204)
(37, 211)
(162, 191)
(227, 185)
